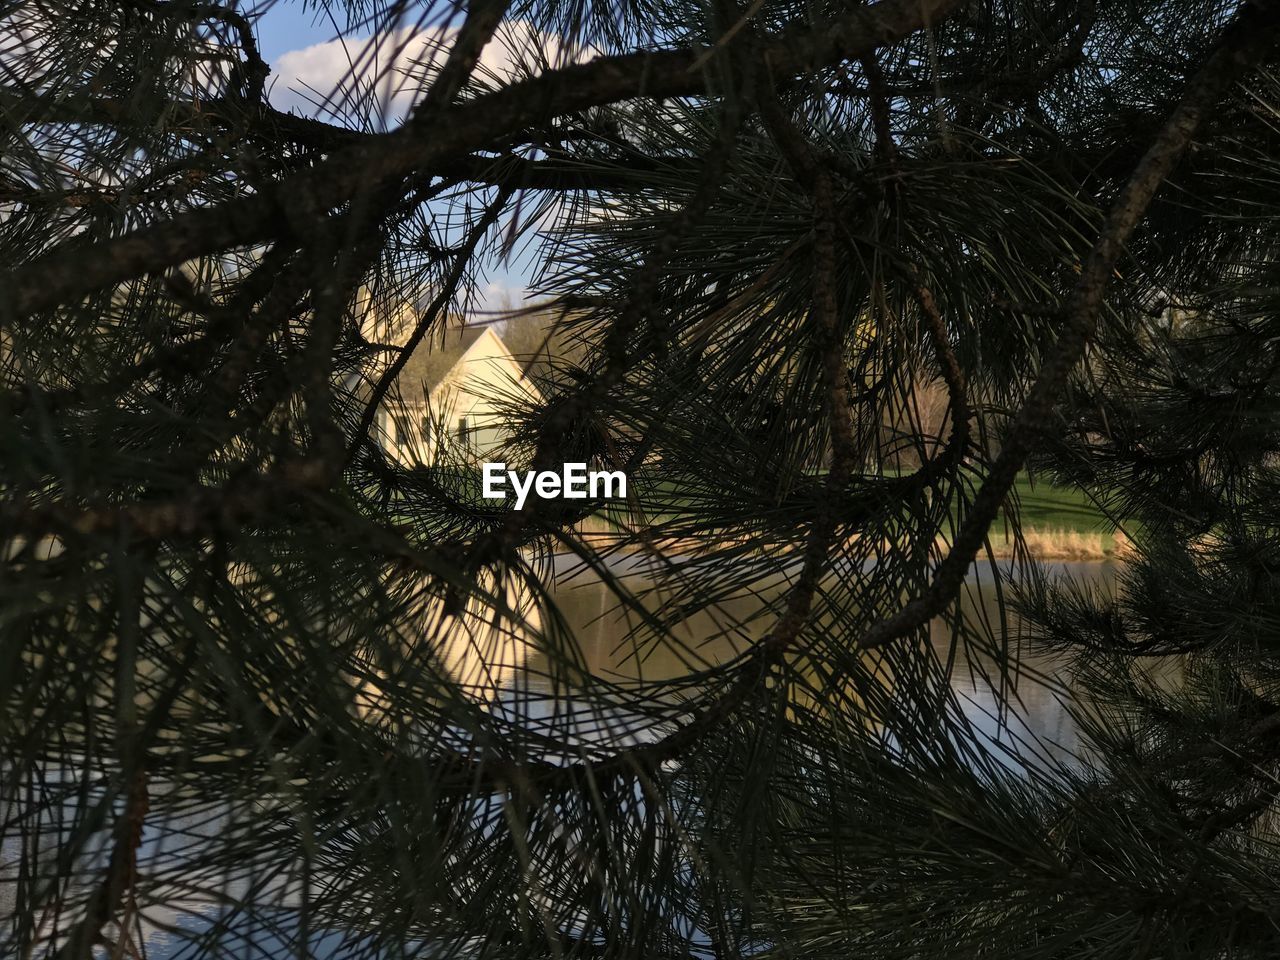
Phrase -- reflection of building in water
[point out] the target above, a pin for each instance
(616, 645)
(491, 657)
(483, 646)
(476, 650)
(1038, 718)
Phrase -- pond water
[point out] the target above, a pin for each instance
(1027, 711)
(517, 680)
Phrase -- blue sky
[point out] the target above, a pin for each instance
(286, 26)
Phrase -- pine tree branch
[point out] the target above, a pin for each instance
(881, 118)
(255, 72)
(944, 353)
(345, 255)
(121, 875)
(205, 510)
(170, 361)
(74, 268)
(482, 19)
(559, 172)
(957, 391)
(427, 320)
(817, 182)
(1249, 38)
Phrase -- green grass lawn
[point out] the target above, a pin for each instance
(1046, 507)
(1043, 506)
(1063, 524)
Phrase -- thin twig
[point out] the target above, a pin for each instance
(120, 877)
(427, 320)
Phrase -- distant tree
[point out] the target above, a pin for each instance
(543, 337)
(270, 693)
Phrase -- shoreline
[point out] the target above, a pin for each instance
(1044, 544)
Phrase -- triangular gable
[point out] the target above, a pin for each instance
(488, 347)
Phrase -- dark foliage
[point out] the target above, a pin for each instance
(271, 691)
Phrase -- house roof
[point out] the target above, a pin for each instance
(434, 358)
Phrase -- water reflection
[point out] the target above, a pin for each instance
(471, 647)
(1020, 703)
(501, 668)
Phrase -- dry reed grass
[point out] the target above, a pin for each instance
(1060, 544)
(1041, 544)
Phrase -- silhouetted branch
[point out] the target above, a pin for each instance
(121, 874)
(957, 390)
(74, 268)
(815, 179)
(1246, 41)
(428, 317)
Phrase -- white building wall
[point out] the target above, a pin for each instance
(470, 396)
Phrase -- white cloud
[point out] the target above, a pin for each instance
(493, 297)
(383, 76)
